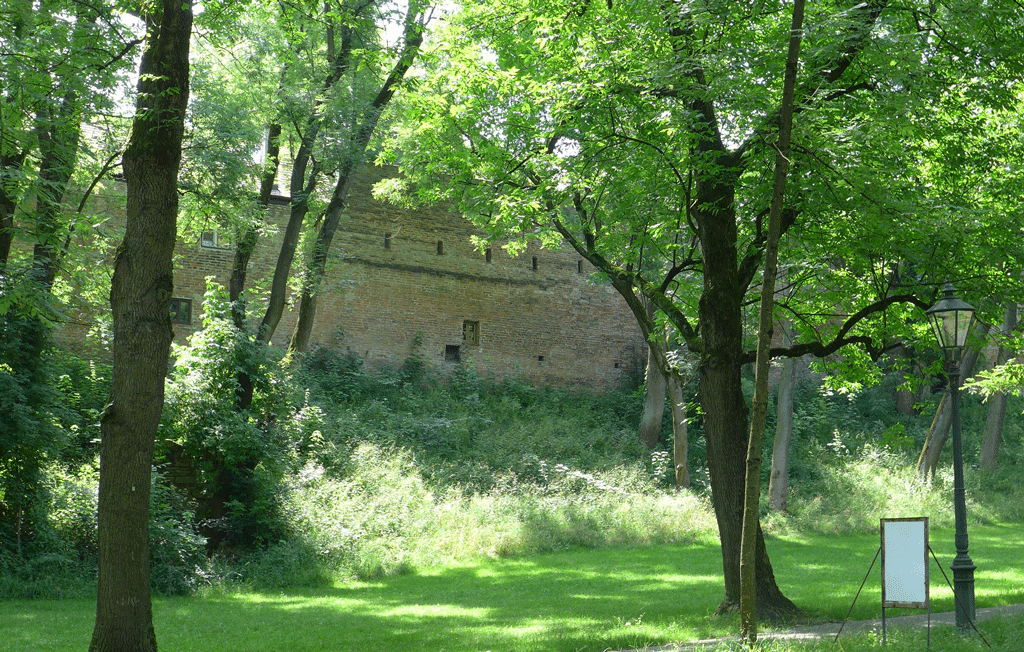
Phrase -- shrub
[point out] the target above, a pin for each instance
(177, 551)
(233, 444)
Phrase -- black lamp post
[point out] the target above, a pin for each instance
(953, 320)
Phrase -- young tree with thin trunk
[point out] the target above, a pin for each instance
(140, 301)
(352, 155)
(989, 456)
(765, 328)
(778, 480)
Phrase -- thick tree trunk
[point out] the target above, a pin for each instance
(140, 298)
(680, 441)
(778, 483)
(721, 396)
(997, 402)
(928, 461)
(649, 429)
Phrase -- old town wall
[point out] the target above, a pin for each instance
(404, 282)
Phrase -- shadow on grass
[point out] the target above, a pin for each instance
(578, 600)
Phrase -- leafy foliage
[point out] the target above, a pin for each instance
(238, 455)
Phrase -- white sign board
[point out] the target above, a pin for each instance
(905, 562)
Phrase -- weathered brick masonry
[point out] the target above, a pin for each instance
(396, 275)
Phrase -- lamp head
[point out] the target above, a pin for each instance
(952, 321)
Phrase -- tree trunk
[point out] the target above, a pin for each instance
(58, 155)
(766, 322)
(140, 298)
(997, 402)
(299, 190)
(721, 396)
(680, 443)
(243, 252)
(778, 483)
(928, 461)
(649, 430)
(358, 141)
(7, 208)
(249, 236)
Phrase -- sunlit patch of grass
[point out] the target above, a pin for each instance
(575, 600)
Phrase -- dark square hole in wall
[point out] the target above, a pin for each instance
(452, 353)
(540, 358)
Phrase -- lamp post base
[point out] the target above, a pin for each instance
(963, 591)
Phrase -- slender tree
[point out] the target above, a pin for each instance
(352, 155)
(766, 322)
(778, 485)
(989, 457)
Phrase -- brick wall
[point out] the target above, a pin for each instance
(396, 275)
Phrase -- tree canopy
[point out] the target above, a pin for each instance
(643, 136)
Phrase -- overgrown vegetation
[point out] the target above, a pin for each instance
(334, 471)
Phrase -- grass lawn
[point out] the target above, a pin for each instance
(579, 600)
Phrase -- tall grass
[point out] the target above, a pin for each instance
(380, 517)
(855, 490)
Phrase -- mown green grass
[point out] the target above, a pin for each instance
(576, 600)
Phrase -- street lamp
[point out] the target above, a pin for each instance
(952, 320)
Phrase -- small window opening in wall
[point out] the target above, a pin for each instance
(440, 248)
(487, 255)
(181, 311)
(209, 239)
(471, 332)
(616, 364)
(452, 353)
(534, 263)
(579, 266)
(387, 239)
(540, 358)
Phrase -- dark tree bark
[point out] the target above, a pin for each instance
(8, 204)
(140, 298)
